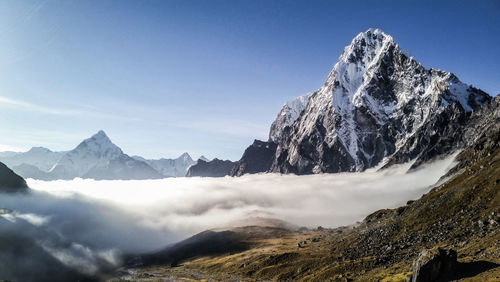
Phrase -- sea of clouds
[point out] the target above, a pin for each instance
(87, 225)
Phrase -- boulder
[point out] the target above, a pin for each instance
(434, 265)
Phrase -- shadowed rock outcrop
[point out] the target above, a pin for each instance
(213, 168)
(11, 182)
(258, 157)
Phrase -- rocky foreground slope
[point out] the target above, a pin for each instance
(461, 215)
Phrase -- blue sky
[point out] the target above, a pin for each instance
(206, 77)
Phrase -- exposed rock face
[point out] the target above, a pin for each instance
(434, 265)
(378, 105)
(258, 157)
(9, 181)
(441, 134)
(213, 168)
(483, 122)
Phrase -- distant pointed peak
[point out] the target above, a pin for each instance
(102, 140)
(100, 137)
(203, 158)
(101, 134)
(185, 156)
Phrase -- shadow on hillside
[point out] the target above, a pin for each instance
(471, 269)
(203, 244)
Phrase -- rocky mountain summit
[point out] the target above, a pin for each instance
(377, 107)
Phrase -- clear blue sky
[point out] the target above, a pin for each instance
(206, 77)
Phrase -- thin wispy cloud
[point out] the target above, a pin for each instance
(30, 13)
(23, 105)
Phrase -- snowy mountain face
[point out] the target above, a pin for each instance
(98, 158)
(40, 157)
(288, 114)
(378, 105)
(96, 150)
(171, 167)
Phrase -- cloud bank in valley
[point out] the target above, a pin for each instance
(87, 225)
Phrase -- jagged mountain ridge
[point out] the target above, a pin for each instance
(171, 167)
(378, 105)
(43, 158)
(97, 158)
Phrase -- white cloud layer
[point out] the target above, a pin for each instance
(81, 222)
(191, 205)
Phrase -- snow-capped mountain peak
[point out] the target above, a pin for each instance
(96, 150)
(375, 99)
(100, 145)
